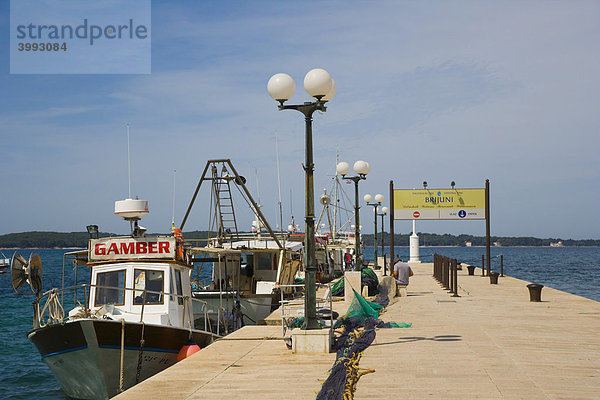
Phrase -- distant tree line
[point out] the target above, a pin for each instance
(432, 239)
(80, 239)
(49, 240)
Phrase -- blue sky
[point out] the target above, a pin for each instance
(434, 91)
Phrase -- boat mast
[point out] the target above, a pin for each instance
(279, 189)
(335, 198)
(173, 218)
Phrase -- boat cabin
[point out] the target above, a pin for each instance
(140, 279)
(252, 266)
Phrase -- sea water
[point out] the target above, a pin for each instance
(24, 376)
(571, 269)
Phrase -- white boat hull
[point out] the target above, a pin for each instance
(84, 355)
(254, 307)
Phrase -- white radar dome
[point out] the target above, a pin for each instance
(131, 208)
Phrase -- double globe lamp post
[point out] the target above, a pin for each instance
(321, 88)
(361, 168)
(382, 211)
(378, 200)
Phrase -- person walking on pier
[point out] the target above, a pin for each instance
(348, 261)
(402, 273)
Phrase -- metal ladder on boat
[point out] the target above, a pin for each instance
(224, 203)
(222, 200)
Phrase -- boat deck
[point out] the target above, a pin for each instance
(490, 343)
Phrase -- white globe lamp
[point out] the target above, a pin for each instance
(342, 168)
(331, 92)
(362, 167)
(318, 83)
(281, 87)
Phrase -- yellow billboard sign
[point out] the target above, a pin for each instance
(439, 204)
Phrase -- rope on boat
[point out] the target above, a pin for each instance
(56, 313)
(122, 353)
(139, 366)
(186, 299)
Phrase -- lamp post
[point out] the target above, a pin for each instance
(321, 87)
(382, 211)
(361, 168)
(378, 200)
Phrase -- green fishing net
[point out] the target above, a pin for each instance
(368, 272)
(399, 325)
(368, 278)
(337, 289)
(362, 308)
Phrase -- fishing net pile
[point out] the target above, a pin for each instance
(368, 278)
(356, 332)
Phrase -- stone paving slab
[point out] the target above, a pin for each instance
(490, 343)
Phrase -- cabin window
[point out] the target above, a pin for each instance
(106, 284)
(265, 261)
(149, 281)
(178, 288)
(247, 264)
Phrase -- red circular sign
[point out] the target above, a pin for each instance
(416, 214)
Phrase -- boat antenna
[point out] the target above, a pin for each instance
(257, 188)
(279, 187)
(258, 204)
(292, 209)
(173, 219)
(335, 196)
(128, 162)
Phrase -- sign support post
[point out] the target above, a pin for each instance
(392, 259)
(487, 225)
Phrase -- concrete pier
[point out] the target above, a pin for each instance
(490, 343)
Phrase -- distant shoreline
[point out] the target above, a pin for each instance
(79, 240)
(386, 246)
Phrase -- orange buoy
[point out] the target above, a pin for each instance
(187, 350)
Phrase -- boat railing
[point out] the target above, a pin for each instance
(52, 312)
(292, 310)
(199, 284)
(250, 237)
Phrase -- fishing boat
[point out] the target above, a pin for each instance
(334, 224)
(247, 276)
(133, 318)
(4, 263)
(249, 270)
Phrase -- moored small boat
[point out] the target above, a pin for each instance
(4, 263)
(129, 321)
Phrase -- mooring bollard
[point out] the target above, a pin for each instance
(444, 273)
(455, 279)
(451, 275)
(471, 269)
(482, 265)
(448, 275)
(535, 292)
(494, 278)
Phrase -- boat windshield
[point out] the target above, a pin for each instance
(106, 283)
(145, 279)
